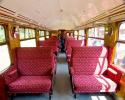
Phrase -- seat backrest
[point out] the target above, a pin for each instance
(74, 43)
(49, 43)
(34, 61)
(89, 60)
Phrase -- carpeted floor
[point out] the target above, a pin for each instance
(62, 88)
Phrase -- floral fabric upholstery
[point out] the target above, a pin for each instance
(54, 44)
(33, 72)
(31, 84)
(70, 44)
(34, 61)
(93, 83)
(89, 60)
(88, 64)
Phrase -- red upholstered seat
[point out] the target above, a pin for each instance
(32, 72)
(86, 83)
(54, 44)
(70, 44)
(31, 84)
(90, 71)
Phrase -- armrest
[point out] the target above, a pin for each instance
(11, 75)
(113, 73)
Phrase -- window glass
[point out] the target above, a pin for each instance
(81, 38)
(4, 58)
(2, 34)
(99, 32)
(75, 33)
(47, 37)
(27, 33)
(95, 42)
(30, 33)
(91, 32)
(33, 33)
(41, 33)
(4, 52)
(122, 32)
(28, 43)
(81, 32)
(47, 33)
(22, 33)
(94, 33)
(120, 47)
(42, 38)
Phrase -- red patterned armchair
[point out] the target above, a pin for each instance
(32, 72)
(54, 44)
(90, 72)
(70, 44)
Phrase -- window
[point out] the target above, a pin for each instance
(96, 36)
(4, 53)
(27, 37)
(81, 34)
(22, 33)
(2, 35)
(76, 34)
(47, 34)
(42, 35)
(67, 34)
(28, 43)
(120, 47)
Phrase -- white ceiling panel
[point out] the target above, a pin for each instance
(60, 14)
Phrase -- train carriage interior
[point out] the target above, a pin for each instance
(62, 49)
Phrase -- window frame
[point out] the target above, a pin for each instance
(43, 36)
(95, 37)
(25, 38)
(5, 43)
(80, 35)
(120, 42)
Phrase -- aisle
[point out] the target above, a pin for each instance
(62, 88)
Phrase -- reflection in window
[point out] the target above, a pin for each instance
(120, 47)
(2, 34)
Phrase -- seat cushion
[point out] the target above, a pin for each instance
(93, 83)
(31, 84)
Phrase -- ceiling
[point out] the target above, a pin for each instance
(60, 14)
